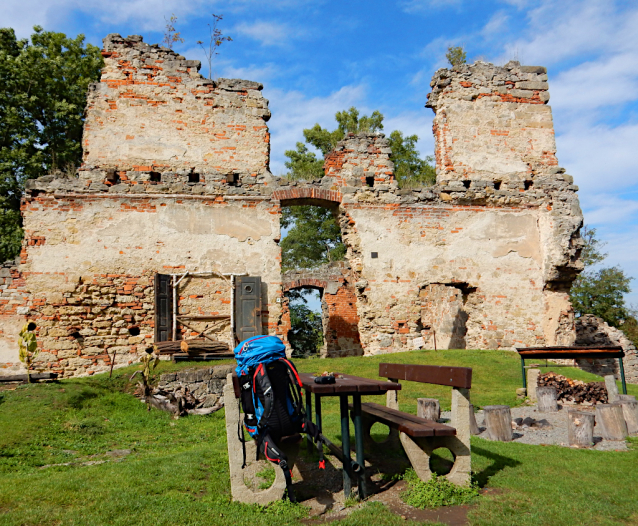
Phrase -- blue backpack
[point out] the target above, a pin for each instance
(270, 398)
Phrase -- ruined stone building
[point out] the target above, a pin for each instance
(175, 179)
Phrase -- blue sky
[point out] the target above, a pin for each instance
(318, 57)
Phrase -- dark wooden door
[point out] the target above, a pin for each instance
(247, 307)
(163, 308)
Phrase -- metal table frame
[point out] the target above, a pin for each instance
(348, 474)
(568, 353)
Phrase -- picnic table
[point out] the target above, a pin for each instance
(576, 352)
(344, 387)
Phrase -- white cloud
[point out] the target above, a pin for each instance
(571, 28)
(148, 15)
(411, 123)
(268, 33)
(292, 112)
(601, 158)
(609, 209)
(411, 6)
(495, 24)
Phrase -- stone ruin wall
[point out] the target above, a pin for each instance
(492, 246)
(153, 113)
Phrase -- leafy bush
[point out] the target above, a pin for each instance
(438, 491)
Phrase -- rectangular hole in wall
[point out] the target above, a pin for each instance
(497, 185)
(113, 178)
(232, 179)
(467, 183)
(528, 184)
(156, 177)
(374, 255)
(193, 178)
(370, 181)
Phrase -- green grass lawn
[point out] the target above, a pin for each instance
(177, 471)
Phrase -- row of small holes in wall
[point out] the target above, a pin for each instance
(497, 184)
(156, 177)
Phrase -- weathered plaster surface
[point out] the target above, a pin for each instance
(176, 178)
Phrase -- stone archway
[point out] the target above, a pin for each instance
(339, 306)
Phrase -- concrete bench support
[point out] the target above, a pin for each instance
(419, 450)
(239, 490)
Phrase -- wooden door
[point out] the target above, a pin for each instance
(247, 307)
(163, 308)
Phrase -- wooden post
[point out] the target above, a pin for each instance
(612, 421)
(630, 414)
(532, 383)
(622, 397)
(612, 388)
(498, 420)
(547, 399)
(580, 428)
(428, 408)
(474, 428)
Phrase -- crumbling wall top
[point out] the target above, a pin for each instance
(509, 83)
(154, 118)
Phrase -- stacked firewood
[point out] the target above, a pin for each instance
(574, 390)
(193, 347)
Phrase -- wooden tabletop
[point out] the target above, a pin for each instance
(571, 352)
(347, 384)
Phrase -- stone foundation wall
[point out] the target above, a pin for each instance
(204, 383)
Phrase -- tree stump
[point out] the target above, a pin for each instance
(580, 428)
(498, 420)
(612, 388)
(428, 408)
(474, 428)
(630, 414)
(547, 399)
(612, 421)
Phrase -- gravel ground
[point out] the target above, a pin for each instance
(554, 434)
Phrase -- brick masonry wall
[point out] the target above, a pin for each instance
(153, 112)
(92, 272)
(492, 123)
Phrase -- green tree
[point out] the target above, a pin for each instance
(409, 169)
(313, 238)
(600, 291)
(456, 55)
(43, 87)
(306, 333)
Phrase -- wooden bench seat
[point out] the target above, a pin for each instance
(418, 436)
(405, 422)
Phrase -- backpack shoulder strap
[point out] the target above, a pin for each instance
(261, 379)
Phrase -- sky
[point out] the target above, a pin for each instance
(318, 57)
